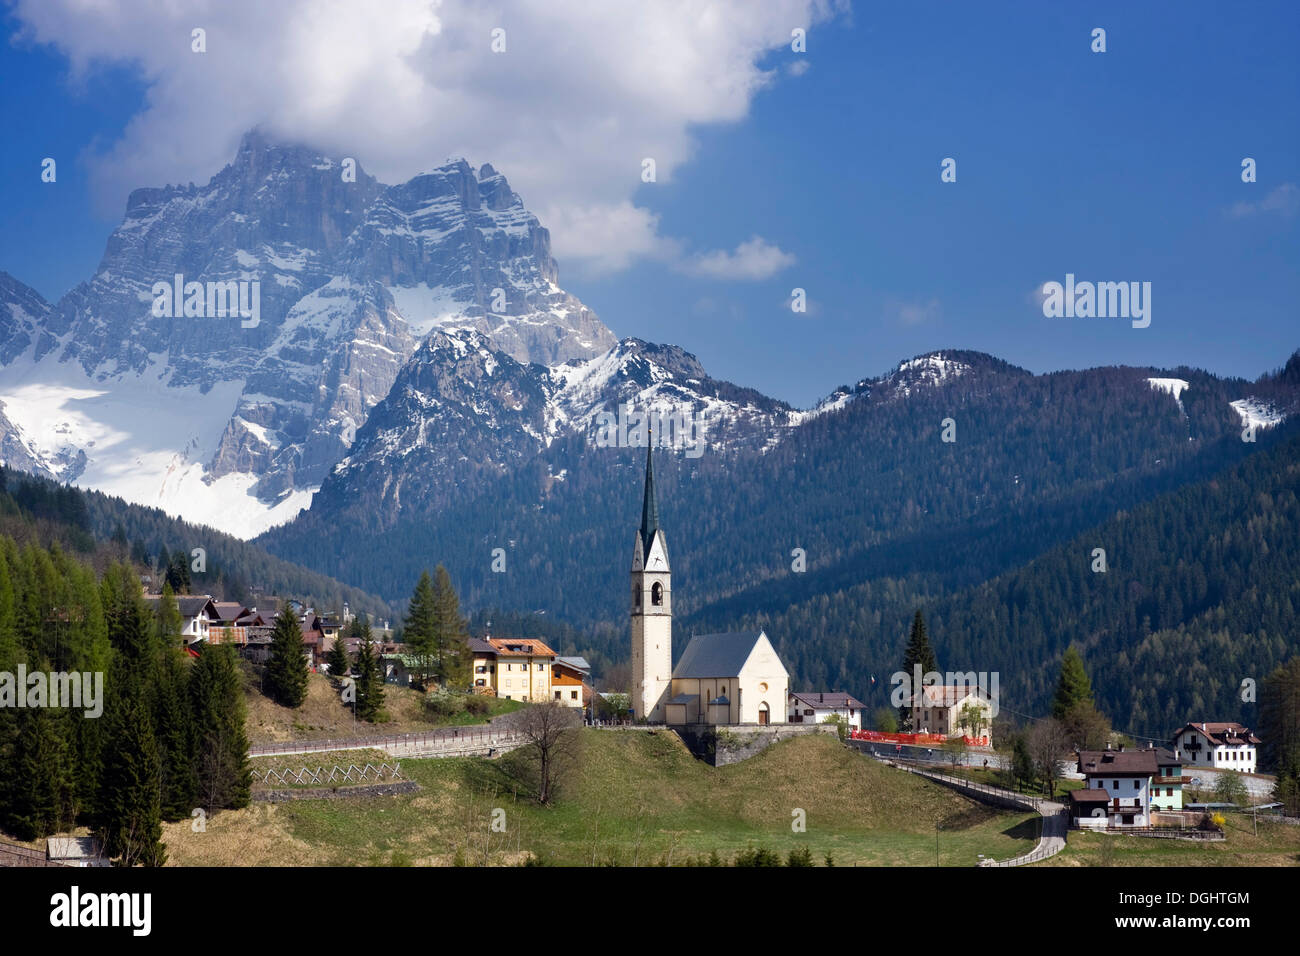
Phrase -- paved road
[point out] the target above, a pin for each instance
(1051, 840)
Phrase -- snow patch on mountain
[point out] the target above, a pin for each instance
(1174, 386)
(1257, 413)
(138, 439)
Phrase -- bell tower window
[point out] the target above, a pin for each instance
(657, 594)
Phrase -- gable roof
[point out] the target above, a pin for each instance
(1124, 763)
(1224, 733)
(230, 610)
(479, 646)
(835, 699)
(190, 605)
(716, 655)
(938, 695)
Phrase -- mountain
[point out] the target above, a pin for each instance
(235, 419)
(462, 411)
(864, 485)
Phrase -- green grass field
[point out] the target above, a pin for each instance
(1277, 844)
(630, 798)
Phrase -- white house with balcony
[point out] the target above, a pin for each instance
(1220, 746)
(1116, 790)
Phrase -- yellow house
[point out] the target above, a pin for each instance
(513, 668)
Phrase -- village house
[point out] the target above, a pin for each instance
(570, 682)
(513, 668)
(947, 710)
(1222, 746)
(197, 614)
(1122, 787)
(484, 666)
(1167, 784)
(813, 707)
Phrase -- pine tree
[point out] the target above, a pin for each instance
(41, 793)
(220, 738)
(129, 810)
(452, 640)
(337, 659)
(174, 732)
(286, 671)
(421, 634)
(1073, 686)
(370, 681)
(918, 652)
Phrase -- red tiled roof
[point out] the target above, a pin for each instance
(1223, 733)
(520, 647)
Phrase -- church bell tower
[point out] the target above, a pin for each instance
(652, 609)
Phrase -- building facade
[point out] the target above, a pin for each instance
(813, 707)
(1221, 746)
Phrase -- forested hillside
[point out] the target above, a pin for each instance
(870, 492)
(102, 529)
(1201, 591)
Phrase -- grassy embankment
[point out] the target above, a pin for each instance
(630, 799)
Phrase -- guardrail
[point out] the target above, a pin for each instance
(484, 736)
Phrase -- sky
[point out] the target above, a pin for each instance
(775, 169)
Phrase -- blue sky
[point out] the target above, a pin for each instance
(1115, 166)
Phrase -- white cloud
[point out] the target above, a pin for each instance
(914, 313)
(756, 258)
(582, 94)
(1283, 200)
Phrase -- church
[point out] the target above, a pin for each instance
(732, 678)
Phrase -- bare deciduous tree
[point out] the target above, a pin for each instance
(1049, 744)
(551, 732)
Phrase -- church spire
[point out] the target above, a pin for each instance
(650, 505)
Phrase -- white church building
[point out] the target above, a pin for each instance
(734, 678)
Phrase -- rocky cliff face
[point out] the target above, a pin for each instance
(341, 278)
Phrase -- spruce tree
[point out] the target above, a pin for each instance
(452, 641)
(41, 789)
(337, 659)
(1073, 686)
(286, 672)
(370, 680)
(421, 633)
(174, 732)
(220, 737)
(129, 807)
(918, 652)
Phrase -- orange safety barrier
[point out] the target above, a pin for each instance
(914, 739)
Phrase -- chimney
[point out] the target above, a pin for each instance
(821, 698)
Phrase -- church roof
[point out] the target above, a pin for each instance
(716, 655)
(720, 699)
(684, 698)
(650, 503)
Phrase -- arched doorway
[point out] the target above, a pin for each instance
(763, 713)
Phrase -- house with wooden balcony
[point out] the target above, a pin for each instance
(1221, 746)
(1116, 790)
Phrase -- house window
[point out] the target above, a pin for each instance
(657, 594)
(557, 695)
(541, 667)
(573, 695)
(1114, 784)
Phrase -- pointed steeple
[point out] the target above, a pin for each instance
(650, 505)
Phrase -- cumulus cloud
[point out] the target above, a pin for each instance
(753, 259)
(1283, 200)
(581, 95)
